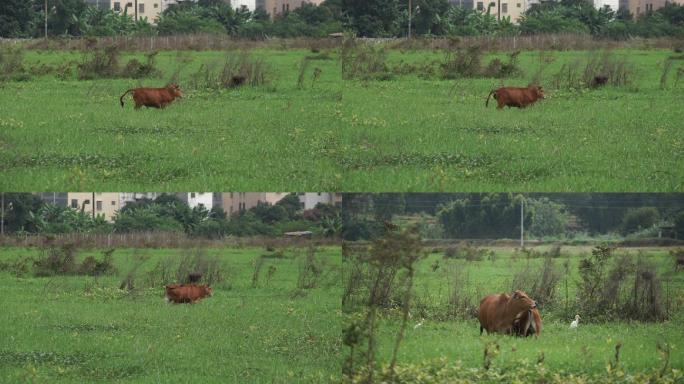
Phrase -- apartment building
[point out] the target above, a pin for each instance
(278, 7)
(60, 199)
(105, 203)
(233, 202)
(193, 199)
(503, 8)
(237, 4)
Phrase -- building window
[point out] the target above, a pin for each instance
(480, 6)
(192, 195)
(113, 202)
(492, 4)
(287, 7)
(74, 203)
(98, 205)
(156, 5)
(504, 8)
(518, 5)
(117, 6)
(141, 8)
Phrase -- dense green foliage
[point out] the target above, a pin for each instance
(497, 215)
(167, 213)
(369, 18)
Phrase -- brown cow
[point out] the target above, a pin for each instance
(187, 293)
(516, 97)
(527, 323)
(497, 312)
(153, 97)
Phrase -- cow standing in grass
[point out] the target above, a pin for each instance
(497, 313)
(153, 97)
(516, 97)
(187, 293)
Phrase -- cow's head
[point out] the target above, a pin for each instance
(175, 90)
(521, 302)
(538, 91)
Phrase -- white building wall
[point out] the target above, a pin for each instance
(311, 199)
(614, 4)
(205, 198)
(250, 4)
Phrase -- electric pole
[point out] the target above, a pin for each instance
(46, 14)
(409, 24)
(2, 211)
(522, 224)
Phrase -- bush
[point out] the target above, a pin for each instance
(93, 267)
(639, 219)
(363, 61)
(137, 70)
(100, 63)
(12, 64)
(104, 63)
(57, 261)
(606, 292)
(237, 70)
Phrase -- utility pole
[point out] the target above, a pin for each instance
(2, 211)
(409, 25)
(136, 10)
(522, 223)
(46, 14)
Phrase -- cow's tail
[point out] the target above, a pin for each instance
(493, 92)
(122, 96)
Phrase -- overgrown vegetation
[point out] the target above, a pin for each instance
(237, 70)
(104, 63)
(467, 62)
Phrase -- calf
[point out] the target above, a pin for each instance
(516, 97)
(187, 293)
(599, 81)
(153, 97)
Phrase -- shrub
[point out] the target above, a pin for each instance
(137, 70)
(57, 261)
(100, 63)
(639, 219)
(93, 267)
(363, 61)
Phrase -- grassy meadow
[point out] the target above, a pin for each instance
(435, 335)
(76, 329)
(410, 132)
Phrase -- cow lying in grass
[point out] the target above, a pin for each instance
(498, 313)
(187, 293)
(516, 97)
(153, 97)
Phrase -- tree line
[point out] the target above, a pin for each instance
(365, 18)
(498, 215)
(26, 213)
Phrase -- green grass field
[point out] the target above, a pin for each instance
(587, 351)
(408, 133)
(76, 329)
